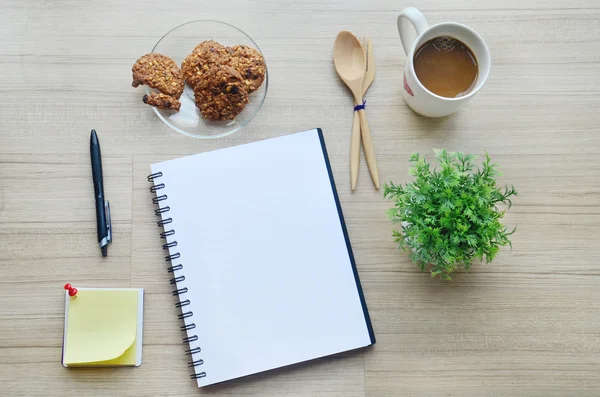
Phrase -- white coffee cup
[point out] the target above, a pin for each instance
(419, 98)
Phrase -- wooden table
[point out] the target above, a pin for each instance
(526, 325)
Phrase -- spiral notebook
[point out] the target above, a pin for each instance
(260, 257)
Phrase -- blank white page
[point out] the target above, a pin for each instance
(266, 262)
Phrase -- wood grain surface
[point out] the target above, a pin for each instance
(526, 325)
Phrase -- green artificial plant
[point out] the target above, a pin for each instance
(449, 214)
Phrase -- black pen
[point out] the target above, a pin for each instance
(102, 206)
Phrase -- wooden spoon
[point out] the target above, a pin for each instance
(350, 64)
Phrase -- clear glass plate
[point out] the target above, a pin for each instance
(178, 44)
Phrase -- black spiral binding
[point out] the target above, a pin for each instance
(167, 232)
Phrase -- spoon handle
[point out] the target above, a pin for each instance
(354, 151)
(368, 147)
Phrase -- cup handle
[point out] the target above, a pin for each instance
(417, 19)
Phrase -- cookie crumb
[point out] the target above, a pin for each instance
(162, 101)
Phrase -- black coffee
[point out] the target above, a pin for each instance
(446, 67)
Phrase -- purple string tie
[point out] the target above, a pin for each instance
(359, 107)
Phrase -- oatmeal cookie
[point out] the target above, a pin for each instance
(250, 64)
(160, 72)
(205, 55)
(221, 93)
(211, 46)
(162, 101)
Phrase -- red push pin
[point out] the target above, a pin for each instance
(72, 291)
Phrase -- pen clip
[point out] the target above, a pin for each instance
(108, 221)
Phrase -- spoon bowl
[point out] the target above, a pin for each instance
(350, 61)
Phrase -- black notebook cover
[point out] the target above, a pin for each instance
(345, 230)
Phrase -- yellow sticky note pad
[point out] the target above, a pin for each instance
(103, 327)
